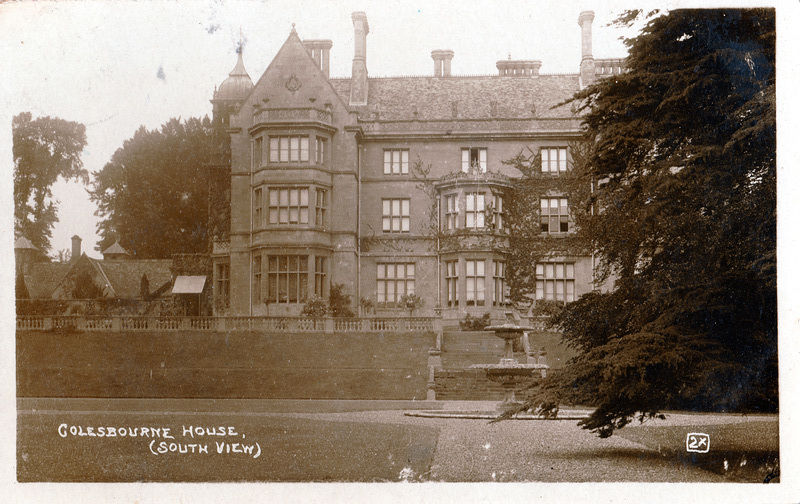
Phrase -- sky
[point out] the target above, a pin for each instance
(115, 66)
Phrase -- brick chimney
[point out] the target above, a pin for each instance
(76, 248)
(587, 60)
(441, 62)
(358, 85)
(320, 50)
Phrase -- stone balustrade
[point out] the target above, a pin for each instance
(220, 324)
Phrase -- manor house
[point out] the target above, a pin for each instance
(390, 186)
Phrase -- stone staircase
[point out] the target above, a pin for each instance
(455, 381)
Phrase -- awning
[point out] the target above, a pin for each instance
(189, 285)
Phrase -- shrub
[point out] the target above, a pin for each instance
(315, 307)
(339, 302)
(411, 302)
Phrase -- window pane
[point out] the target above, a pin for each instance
(387, 162)
(570, 270)
(406, 224)
(395, 207)
(550, 268)
(284, 150)
(479, 268)
(464, 160)
(303, 148)
(303, 215)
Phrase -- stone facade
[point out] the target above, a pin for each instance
(389, 186)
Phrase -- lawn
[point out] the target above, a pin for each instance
(291, 449)
(742, 452)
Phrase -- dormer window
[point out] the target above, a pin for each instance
(474, 157)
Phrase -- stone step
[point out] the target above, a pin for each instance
(467, 384)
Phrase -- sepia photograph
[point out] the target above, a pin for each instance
(395, 246)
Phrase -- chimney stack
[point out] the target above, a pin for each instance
(76, 248)
(441, 62)
(587, 60)
(519, 68)
(320, 50)
(358, 87)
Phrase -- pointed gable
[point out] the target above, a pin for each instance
(83, 264)
(293, 80)
(115, 251)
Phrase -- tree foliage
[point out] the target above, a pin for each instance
(683, 149)
(85, 287)
(44, 149)
(153, 196)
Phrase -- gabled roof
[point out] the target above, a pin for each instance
(125, 276)
(44, 278)
(431, 98)
(120, 278)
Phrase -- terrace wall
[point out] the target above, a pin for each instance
(236, 364)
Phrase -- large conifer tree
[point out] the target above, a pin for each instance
(683, 220)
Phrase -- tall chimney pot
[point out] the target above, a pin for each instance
(76, 248)
(358, 87)
(587, 60)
